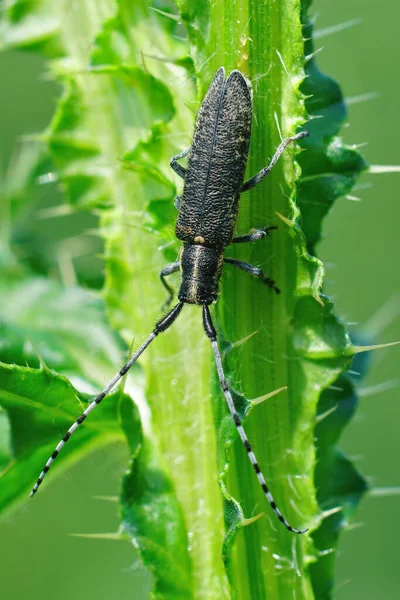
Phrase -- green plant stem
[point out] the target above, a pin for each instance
(264, 40)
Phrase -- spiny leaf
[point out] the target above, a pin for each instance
(65, 328)
(42, 323)
(85, 165)
(41, 406)
(152, 517)
(329, 171)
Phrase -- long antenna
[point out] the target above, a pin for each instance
(161, 326)
(212, 335)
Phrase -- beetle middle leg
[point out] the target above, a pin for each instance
(253, 181)
(168, 270)
(253, 235)
(255, 271)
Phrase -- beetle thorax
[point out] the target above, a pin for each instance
(201, 270)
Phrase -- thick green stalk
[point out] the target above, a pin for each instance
(264, 40)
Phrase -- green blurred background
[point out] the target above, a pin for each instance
(38, 557)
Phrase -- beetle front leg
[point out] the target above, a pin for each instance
(250, 183)
(168, 270)
(255, 271)
(179, 170)
(254, 235)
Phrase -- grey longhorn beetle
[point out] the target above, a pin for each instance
(207, 215)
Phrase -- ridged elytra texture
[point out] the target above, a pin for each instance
(217, 162)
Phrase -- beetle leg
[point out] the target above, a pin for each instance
(181, 171)
(254, 235)
(255, 271)
(168, 270)
(250, 183)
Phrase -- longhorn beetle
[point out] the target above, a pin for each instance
(207, 214)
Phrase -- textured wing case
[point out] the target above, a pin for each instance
(217, 162)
